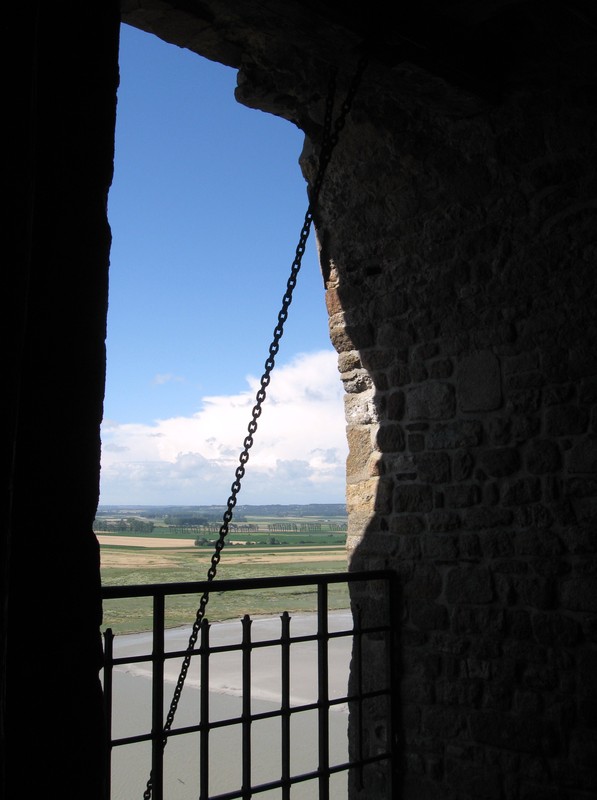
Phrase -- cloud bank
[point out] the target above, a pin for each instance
(298, 456)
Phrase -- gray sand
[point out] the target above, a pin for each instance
(132, 709)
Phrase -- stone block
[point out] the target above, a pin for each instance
(421, 352)
(443, 722)
(522, 362)
(413, 497)
(416, 442)
(418, 372)
(396, 405)
(340, 339)
(459, 692)
(521, 491)
(408, 547)
(542, 456)
(478, 382)
(583, 455)
(458, 434)
(357, 381)
(407, 524)
(518, 623)
(579, 593)
(333, 302)
(485, 517)
(501, 462)
(535, 592)
(499, 429)
(431, 400)
(416, 690)
(359, 448)
(566, 420)
(583, 747)
(441, 368)
(424, 583)
(510, 566)
(375, 359)
(507, 731)
(498, 543)
(543, 543)
(471, 780)
(477, 620)
(462, 465)
(505, 589)
(390, 438)
(524, 427)
(401, 465)
(588, 391)
(491, 493)
(362, 496)
(422, 788)
(348, 361)
(393, 336)
(524, 380)
(362, 408)
(470, 548)
(469, 585)
(440, 548)
(462, 495)
(433, 467)
(580, 539)
(539, 677)
(555, 630)
(429, 616)
(443, 521)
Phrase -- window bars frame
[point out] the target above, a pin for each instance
(355, 698)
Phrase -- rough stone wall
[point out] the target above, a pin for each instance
(458, 252)
(460, 264)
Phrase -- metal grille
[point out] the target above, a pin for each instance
(366, 686)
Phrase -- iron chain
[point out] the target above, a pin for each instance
(329, 141)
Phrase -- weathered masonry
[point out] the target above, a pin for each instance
(458, 246)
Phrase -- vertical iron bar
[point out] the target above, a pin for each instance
(157, 699)
(204, 713)
(285, 705)
(108, 685)
(357, 668)
(394, 678)
(323, 698)
(246, 713)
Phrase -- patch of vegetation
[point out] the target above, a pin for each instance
(133, 615)
(266, 533)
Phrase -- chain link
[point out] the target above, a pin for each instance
(330, 139)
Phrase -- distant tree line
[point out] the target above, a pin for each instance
(293, 527)
(322, 510)
(131, 524)
(192, 520)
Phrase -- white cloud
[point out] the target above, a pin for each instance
(298, 454)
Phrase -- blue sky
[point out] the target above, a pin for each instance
(206, 207)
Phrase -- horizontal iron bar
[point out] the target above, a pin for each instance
(241, 584)
(226, 723)
(306, 776)
(227, 648)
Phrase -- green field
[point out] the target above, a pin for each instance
(125, 566)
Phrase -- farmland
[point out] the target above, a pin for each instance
(279, 543)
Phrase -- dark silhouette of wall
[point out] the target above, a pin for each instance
(457, 233)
